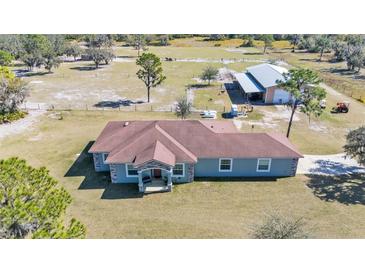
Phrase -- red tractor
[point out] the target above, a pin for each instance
(341, 107)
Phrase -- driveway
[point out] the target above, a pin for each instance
(335, 164)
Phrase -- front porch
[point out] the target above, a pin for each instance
(154, 179)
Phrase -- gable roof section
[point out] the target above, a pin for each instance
(134, 147)
(174, 141)
(248, 83)
(156, 152)
(267, 74)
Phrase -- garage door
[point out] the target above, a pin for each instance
(281, 96)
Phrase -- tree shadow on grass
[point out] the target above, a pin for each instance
(203, 85)
(253, 53)
(346, 189)
(126, 56)
(27, 73)
(84, 166)
(117, 103)
(85, 68)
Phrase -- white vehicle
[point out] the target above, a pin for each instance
(323, 103)
(209, 114)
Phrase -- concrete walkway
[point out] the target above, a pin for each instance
(335, 164)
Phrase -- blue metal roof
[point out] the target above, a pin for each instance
(267, 74)
(248, 83)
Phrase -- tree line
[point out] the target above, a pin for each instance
(348, 48)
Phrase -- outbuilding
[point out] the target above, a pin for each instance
(260, 83)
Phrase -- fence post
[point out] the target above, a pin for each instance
(119, 107)
(86, 106)
(151, 108)
(135, 107)
(224, 108)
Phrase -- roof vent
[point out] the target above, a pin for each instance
(126, 124)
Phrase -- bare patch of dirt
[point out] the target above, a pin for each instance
(25, 124)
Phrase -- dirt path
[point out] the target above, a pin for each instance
(22, 125)
(335, 164)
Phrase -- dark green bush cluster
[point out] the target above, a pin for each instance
(12, 116)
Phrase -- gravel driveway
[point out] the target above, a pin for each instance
(335, 164)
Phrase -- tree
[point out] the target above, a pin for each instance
(151, 72)
(99, 40)
(13, 91)
(295, 40)
(57, 44)
(248, 41)
(138, 41)
(12, 44)
(164, 40)
(309, 43)
(276, 226)
(32, 204)
(340, 51)
(355, 144)
(183, 107)
(51, 60)
(99, 55)
(355, 58)
(34, 47)
(323, 42)
(5, 58)
(303, 85)
(217, 37)
(267, 39)
(100, 48)
(209, 74)
(73, 50)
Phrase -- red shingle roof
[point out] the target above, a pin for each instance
(171, 141)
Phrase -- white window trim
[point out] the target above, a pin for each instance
(126, 171)
(258, 161)
(183, 175)
(104, 156)
(225, 170)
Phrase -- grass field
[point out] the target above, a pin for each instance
(331, 207)
(199, 210)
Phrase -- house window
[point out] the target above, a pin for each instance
(131, 171)
(178, 170)
(225, 165)
(105, 155)
(263, 165)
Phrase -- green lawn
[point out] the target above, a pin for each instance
(198, 210)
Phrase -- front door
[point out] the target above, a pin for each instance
(157, 173)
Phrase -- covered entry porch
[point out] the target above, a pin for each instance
(154, 179)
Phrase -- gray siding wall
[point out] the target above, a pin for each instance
(120, 175)
(244, 168)
(187, 175)
(99, 163)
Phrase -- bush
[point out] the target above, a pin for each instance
(276, 226)
(12, 116)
